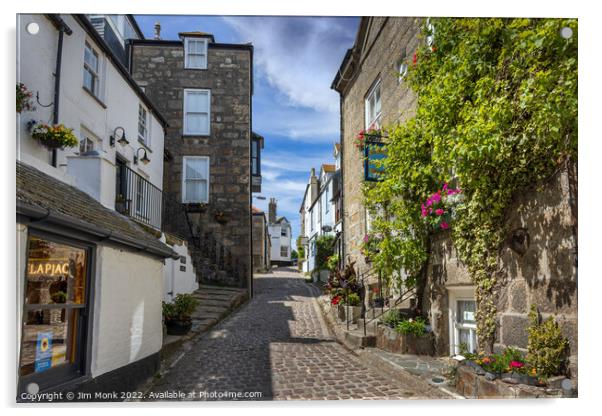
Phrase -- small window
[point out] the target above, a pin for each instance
(195, 179)
(86, 145)
(142, 124)
(91, 70)
(255, 158)
(196, 53)
(283, 251)
(283, 232)
(403, 71)
(197, 110)
(372, 107)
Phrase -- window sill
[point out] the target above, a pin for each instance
(196, 69)
(98, 100)
(195, 136)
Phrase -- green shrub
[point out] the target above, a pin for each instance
(324, 249)
(354, 299)
(332, 262)
(182, 307)
(415, 327)
(391, 318)
(547, 347)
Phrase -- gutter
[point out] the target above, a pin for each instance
(38, 215)
(63, 28)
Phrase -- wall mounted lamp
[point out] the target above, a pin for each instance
(122, 140)
(144, 159)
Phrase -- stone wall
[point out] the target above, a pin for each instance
(159, 68)
(544, 275)
(389, 41)
(260, 251)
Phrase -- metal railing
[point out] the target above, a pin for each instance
(137, 198)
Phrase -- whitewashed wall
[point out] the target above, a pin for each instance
(176, 281)
(36, 59)
(127, 309)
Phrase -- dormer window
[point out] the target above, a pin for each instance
(195, 53)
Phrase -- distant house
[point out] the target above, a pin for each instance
(262, 244)
(280, 235)
(320, 214)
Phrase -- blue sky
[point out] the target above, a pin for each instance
(295, 61)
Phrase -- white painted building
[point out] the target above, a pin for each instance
(279, 229)
(79, 210)
(318, 213)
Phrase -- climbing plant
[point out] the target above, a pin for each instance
(496, 113)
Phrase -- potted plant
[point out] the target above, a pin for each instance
(353, 305)
(52, 136)
(24, 98)
(176, 314)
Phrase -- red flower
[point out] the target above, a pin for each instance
(516, 364)
(414, 58)
(444, 225)
(335, 300)
(439, 211)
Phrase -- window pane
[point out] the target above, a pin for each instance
(466, 311)
(55, 273)
(197, 102)
(195, 61)
(88, 80)
(197, 123)
(196, 169)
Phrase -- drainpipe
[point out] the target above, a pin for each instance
(62, 28)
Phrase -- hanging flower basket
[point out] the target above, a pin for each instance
(53, 136)
(24, 102)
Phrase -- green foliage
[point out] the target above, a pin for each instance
(391, 318)
(324, 249)
(182, 307)
(416, 327)
(354, 299)
(547, 347)
(294, 255)
(496, 113)
(332, 263)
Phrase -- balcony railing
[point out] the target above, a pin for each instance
(138, 198)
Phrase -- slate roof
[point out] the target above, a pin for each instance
(37, 190)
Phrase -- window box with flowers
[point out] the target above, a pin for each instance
(52, 136)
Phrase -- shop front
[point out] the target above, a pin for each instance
(56, 306)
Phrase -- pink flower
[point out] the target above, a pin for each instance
(444, 225)
(439, 211)
(366, 238)
(424, 211)
(516, 364)
(436, 197)
(444, 187)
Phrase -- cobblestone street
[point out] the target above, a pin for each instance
(277, 345)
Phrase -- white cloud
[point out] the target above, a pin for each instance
(299, 55)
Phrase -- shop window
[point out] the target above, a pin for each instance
(53, 337)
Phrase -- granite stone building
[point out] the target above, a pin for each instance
(538, 260)
(262, 243)
(372, 94)
(204, 89)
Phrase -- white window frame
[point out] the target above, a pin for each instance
(146, 137)
(455, 294)
(183, 188)
(185, 124)
(187, 41)
(95, 72)
(375, 121)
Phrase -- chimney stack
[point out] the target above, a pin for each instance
(272, 211)
(157, 31)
